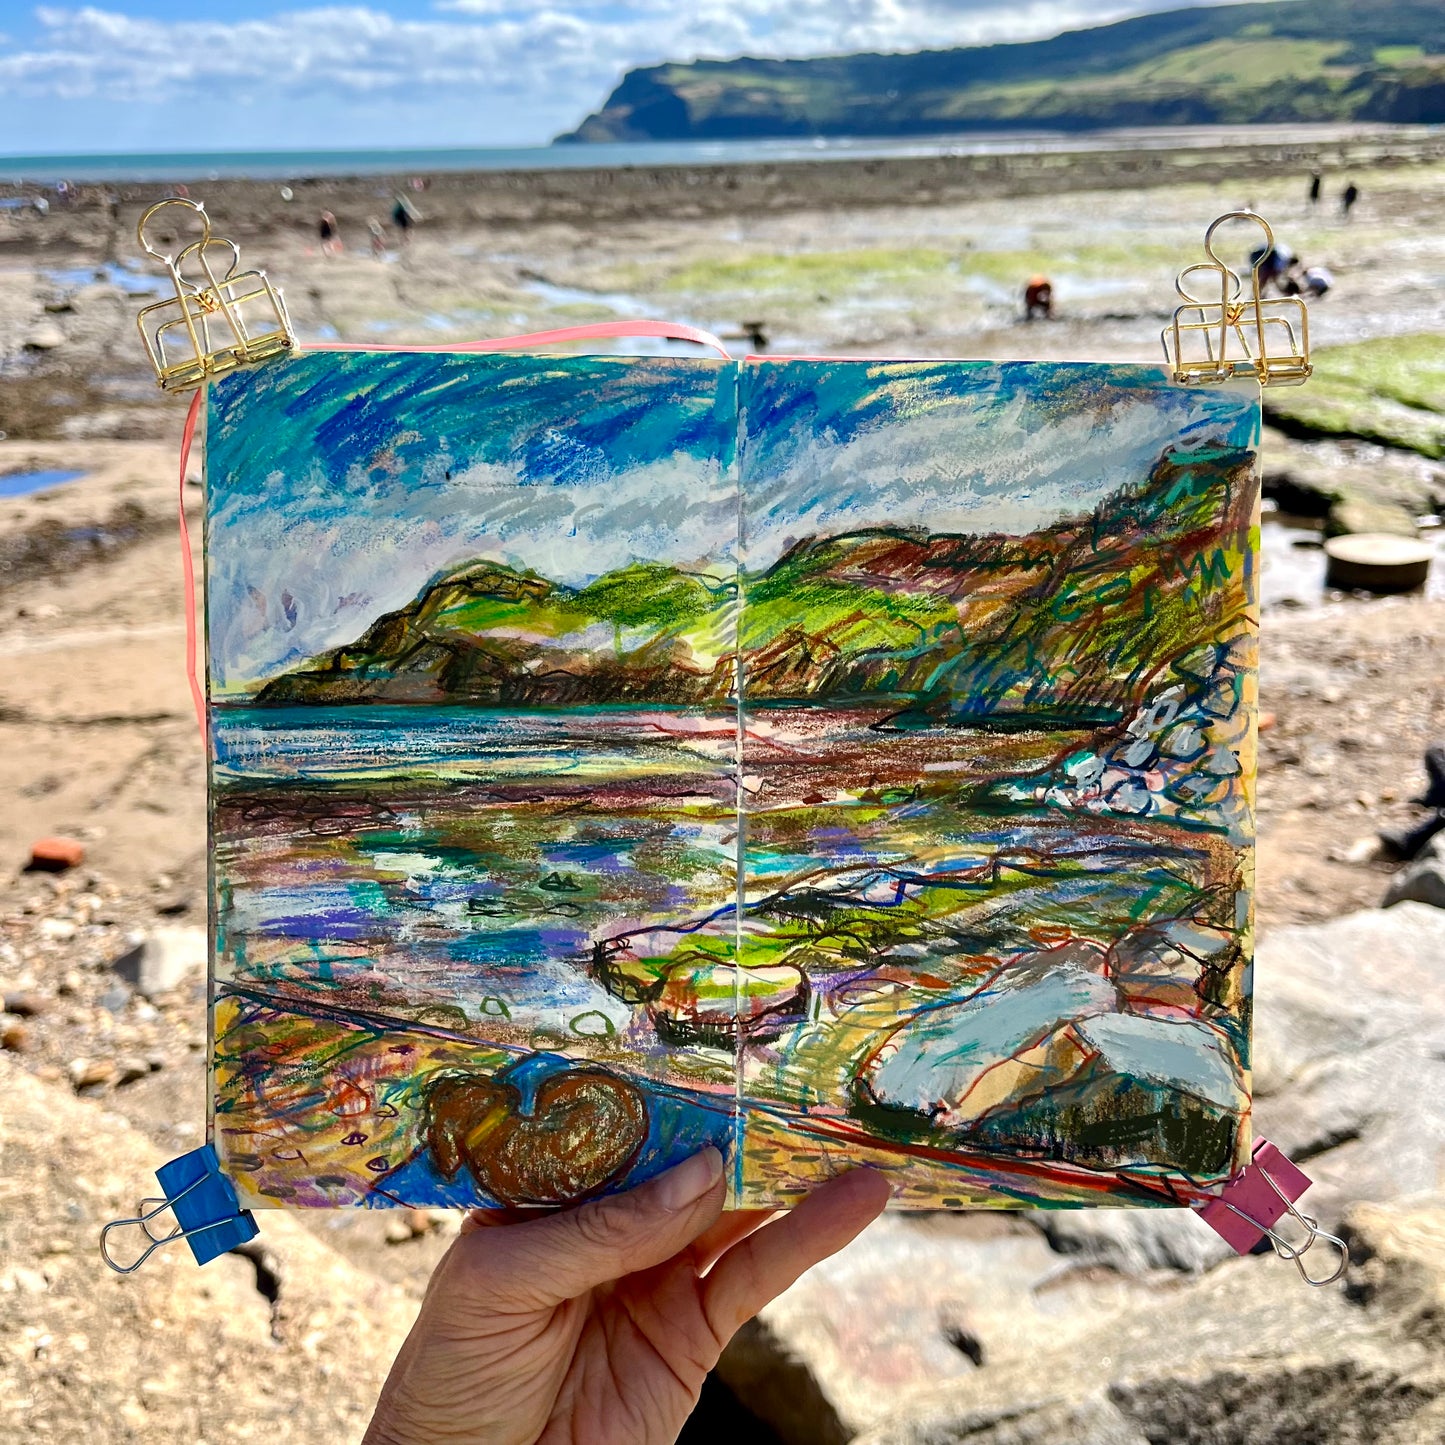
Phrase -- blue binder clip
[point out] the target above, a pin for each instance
(203, 1202)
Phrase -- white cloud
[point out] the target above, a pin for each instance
(476, 70)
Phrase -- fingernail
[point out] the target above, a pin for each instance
(689, 1181)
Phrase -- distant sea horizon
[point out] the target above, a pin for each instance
(282, 165)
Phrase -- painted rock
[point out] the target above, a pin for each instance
(716, 1004)
(546, 1141)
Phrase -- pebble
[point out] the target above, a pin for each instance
(23, 1278)
(397, 1231)
(70, 985)
(45, 337)
(57, 930)
(54, 855)
(90, 1073)
(115, 999)
(161, 960)
(130, 1068)
(1362, 850)
(25, 1003)
(15, 1037)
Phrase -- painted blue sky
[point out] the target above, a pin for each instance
(165, 75)
(339, 483)
(960, 446)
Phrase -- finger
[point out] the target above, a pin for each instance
(564, 1255)
(475, 1219)
(765, 1264)
(732, 1228)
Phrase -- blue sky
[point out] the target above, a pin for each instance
(136, 75)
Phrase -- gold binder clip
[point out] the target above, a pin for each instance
(1222, 331)
(213, 324)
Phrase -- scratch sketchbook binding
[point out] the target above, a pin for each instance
(834, 761)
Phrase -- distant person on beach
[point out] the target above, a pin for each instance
(1348, 197)
(403, 217)
(378, 238)
(1039, 298)
(1315, 182)
(1316, 281)
(330, 235)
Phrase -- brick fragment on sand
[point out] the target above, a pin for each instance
(55, 855)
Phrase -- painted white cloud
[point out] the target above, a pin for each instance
(473, 71)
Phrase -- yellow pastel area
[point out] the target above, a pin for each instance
(311, 1111)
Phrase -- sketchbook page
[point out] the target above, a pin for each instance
(998, 659)
(471, 627)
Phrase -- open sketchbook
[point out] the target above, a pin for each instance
(834, 761)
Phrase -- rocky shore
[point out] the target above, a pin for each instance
(1101, 1326)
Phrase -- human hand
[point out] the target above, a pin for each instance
(596, 1325)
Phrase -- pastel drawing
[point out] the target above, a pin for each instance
(822, 760)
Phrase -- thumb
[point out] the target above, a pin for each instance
(564, 1255)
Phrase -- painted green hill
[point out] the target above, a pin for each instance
(1288, 60)
(1070, 624)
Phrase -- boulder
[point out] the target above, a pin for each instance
(1350, 515)
(952, 1063)
(1161, 967)
(1349, 1061)
(1133, 1242)
(1044, 1054)
(915, 1302)
(1243, 1355)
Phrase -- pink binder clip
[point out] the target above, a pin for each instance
(1256, 1199)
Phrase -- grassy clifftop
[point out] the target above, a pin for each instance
(1290, 60)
